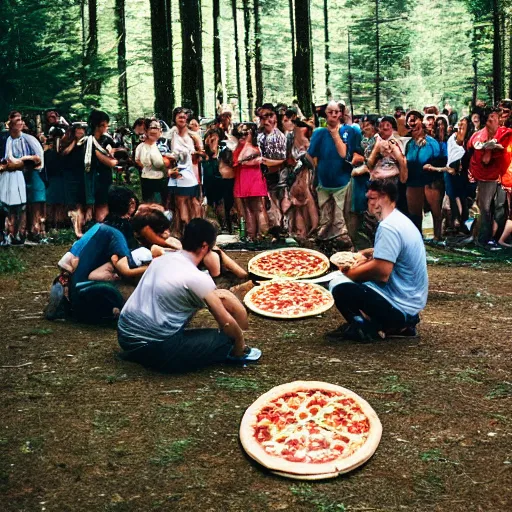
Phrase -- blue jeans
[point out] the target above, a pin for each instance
(352, 298)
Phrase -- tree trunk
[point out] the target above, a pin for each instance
(510, 58)
(83, 73)
(292, 32)
(257, 54)
(217, 63)
(161, 36)
(350, 77)
(93, 82)
(327, 50)
(475, 83)
(237, 60)
(496, 52)
(311, 59)
(248, 74)
(192, 80)
(302, 60)
(377, 58)
(122, 84)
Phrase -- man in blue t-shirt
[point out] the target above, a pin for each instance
(334, 149)
(384, 295)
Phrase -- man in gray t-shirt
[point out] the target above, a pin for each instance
(152, 326)
(385, 293)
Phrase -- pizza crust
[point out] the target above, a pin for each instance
(256, 451)
(317, 311)
(346, 259)
(322, 476)
(251, 265)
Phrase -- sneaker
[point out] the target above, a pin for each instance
(362, 330)
(251, 355)
(406, 332)
(337, 333)
(493, 246)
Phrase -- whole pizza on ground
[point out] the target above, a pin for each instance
(310, 430)
(288, 299)
(289, 264)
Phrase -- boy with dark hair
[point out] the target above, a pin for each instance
(151, 328)
(385, 293)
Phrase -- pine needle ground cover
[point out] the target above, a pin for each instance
(82, 430)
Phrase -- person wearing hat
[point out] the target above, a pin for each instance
(272, 144)
(423, 154)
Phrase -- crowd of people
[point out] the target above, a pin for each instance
(281, 173)
(148, 263)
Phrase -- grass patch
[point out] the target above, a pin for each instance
(237, 384)
(31, 445)
(10, 262)
(322, 503)
(502, 390)
(108, 422)
(40, 332)
(171, 452)
(468, 376)
(433, 455)
(290, 334)
(392, 384)
(62, 236)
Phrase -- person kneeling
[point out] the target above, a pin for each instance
(151, 328)
(383, 295)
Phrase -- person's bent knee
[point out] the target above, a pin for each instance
(234, 307)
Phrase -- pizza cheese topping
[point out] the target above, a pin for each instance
(291, 263)
(313, 426)
(289, 298)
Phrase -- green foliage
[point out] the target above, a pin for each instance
(502, 390)
(168, 453)
(236, 383)
(321, 502)
(10, 262)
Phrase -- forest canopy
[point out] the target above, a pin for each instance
(140, 57)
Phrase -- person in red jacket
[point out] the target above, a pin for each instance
(489, 161)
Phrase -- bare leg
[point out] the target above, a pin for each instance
(256, 206)
(232, 265)
(415, 197)
(435, 200)
(250, 220)
(182, 207)
(100, 212)
(507, 231)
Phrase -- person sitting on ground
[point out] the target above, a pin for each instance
(384, 294)
(151, 329)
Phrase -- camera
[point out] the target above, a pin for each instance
(57, 131)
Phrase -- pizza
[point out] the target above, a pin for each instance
(288, 299)
(346, 259)
(292, 263)
(310, 430)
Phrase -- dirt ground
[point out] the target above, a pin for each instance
(84, 431)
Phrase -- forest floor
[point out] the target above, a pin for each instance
(82, 430)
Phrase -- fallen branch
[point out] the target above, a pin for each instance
(16, 365)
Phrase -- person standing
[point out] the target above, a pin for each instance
(333, 148)
(153, 179)
(19, 176)
(489, 161)
(272, 144)
(99, 161)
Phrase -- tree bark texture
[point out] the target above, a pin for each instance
(248, 67)
(122, 84)
(292, 33)
(327, 49)
(192, 80)
(496, 52)
(257, 54)
(162, 57)
(237, 60)
(93, 82)
(302, 60)
(217, 62)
